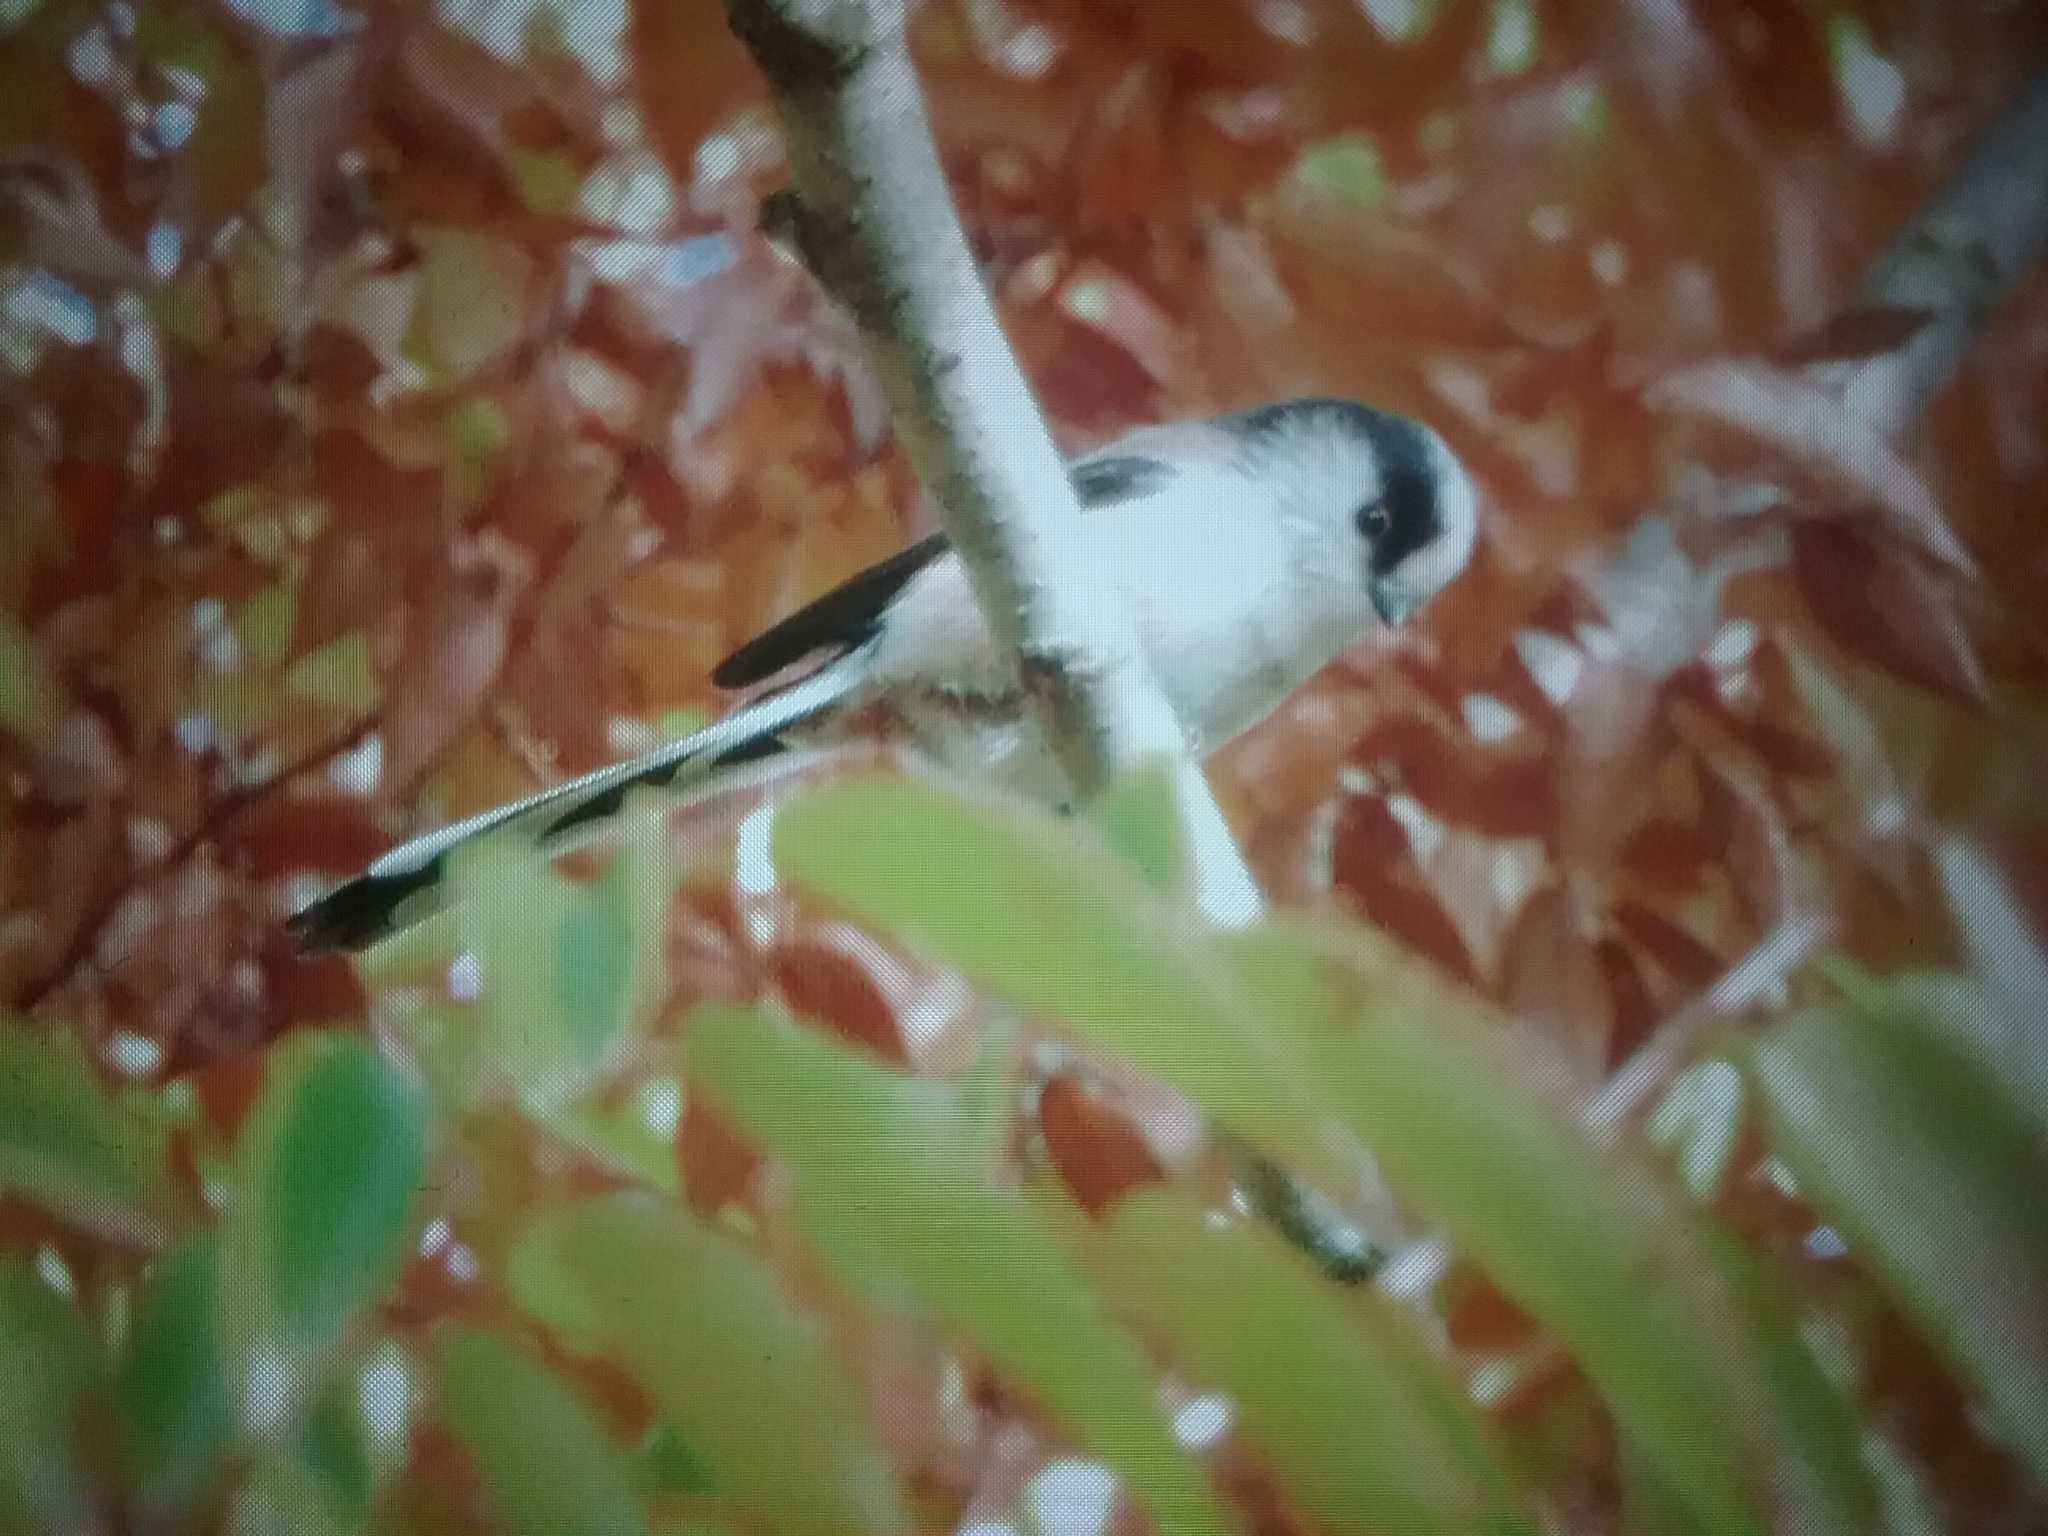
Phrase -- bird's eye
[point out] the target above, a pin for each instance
(1373, 520)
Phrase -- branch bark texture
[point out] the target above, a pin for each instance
(1958, 260)
(875, 221)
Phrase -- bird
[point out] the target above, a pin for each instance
(1251, 549)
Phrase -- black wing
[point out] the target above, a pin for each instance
(848, 615)
(843, 618)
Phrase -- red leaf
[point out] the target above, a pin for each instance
(1479, 1318)
(1783, 750)
(361, 562)
(1090, 380)
(317, 989)
(455, 644)
(1775, 52)
(88, 493)
(833, 988)
(1665, 853)
(227, 1088)
(1883, 603)
(715, 1163)
(689, 75)
(1493, 791)
(1691, 964)
(283, 838)
(1548, 979)
(1415, 917)
(1628, 996)
(1794, 414)
(339, 365)
(1096, 1149)
(227, 426)
(310, 111)
(1367, 842)
(1742, 821)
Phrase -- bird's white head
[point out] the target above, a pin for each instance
(1385, 490)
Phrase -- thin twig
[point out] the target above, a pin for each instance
(85, 937)
(1744, 984)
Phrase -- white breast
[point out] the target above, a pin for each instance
(1208, 585)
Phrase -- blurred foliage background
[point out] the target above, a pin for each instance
(399, 408)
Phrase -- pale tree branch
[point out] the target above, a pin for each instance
(875, 221)
(1959, 259)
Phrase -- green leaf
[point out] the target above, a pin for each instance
(882, 1159)
(569, 971)
(1285, 1034)
(51, 1368)
(634, 1138)
(478, 431)
(334, 1451)
(264, 623)
(1034, 911)
(1139, 818)
(1345, 172)
(473, 292)
(339, 674)
(1919, 1157)
(547, 1464)
(663, 1463)
(325, 1175)
(93, 1156)
(1653, 1510)
(285, 1491)
(1338, 1391)
(675, 724)
(1699, 1363)
(745, 1378)
(30, 700)
(177, 1419)
(548, 181)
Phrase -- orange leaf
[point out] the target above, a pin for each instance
(1492, 791)
(716, 1165)
(830, 986)
(1883, 602)
(1692, 964)
(689, 75)
(1415, 917)
(1096, 1149)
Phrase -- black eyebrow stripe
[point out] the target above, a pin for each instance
(1408, 489)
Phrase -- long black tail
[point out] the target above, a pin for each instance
(404, 886)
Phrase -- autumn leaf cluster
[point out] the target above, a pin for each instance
(403, 406)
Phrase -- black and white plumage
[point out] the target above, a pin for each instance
(1251, 549)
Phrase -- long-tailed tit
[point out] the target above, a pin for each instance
(1251, 550)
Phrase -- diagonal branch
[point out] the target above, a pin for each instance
(875, 221)
(1959, 259)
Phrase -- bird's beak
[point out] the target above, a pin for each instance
(1393, 607)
